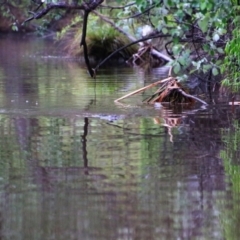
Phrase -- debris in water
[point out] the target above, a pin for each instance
(170, 91)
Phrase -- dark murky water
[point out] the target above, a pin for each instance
(74, 165)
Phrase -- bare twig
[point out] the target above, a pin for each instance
(90, 6)
(50, 6)
(136, 15)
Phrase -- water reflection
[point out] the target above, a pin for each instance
(85, 179)
(76, 166)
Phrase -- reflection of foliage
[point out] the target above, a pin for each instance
(11, 155)
(231, 156)
(132, 168)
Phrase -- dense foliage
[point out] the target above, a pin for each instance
(231, 62)
(9, 10)
(198, 30)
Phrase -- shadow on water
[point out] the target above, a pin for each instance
(76, 166)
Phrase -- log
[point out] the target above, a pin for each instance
(160, 55)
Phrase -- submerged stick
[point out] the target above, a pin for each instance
(144, 88)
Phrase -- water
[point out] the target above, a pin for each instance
(75, 165)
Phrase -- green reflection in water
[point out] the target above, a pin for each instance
(52, 188)
(231, 156)
(70, 177)
(34, 75)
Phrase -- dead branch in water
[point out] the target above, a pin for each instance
(143, 89)
(171, 91)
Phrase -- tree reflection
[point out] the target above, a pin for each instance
(84, 145)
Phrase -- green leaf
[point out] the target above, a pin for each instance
(203, 5)
(175, 40)
(14, 27)
(220, 50)
(221, 31)
(215, 71)
(176, 49)
(176, 68)
(164, 30)
(203, 23)
(206, 67)
(165, 19)
(182, 60)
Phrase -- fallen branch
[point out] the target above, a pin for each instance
(171, 92)
(144, 88)
(158, 54)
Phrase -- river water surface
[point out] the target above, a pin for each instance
(75, 165)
